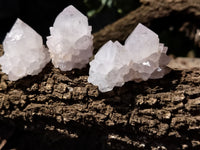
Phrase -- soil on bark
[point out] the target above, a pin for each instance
(60, 110)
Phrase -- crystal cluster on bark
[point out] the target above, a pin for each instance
(24, 52)
(142, 57)
(70, 43)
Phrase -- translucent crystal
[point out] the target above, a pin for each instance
(142, 57)
(71, 42)
(108, 68)
(145, 51)
(24, 53)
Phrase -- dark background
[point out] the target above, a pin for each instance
(40, 14)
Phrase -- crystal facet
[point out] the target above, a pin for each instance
(24, 53)
(141, 58)
(71, 42)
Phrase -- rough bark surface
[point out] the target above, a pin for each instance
(61, 110)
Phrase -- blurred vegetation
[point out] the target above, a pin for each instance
(103, 12)
(120, 7)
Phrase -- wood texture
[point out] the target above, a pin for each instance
(61, 110)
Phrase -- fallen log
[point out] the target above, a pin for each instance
(61, 110)
(55, 110)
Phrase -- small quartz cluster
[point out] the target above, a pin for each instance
(70, 43)
(24, 52)
(142, 57)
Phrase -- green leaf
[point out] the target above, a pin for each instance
(120, 11)
(91, 13)
(103, 2)
(110, 3)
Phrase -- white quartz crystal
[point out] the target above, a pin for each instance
(108, 68)
(71, 42)
(24, 53)
(141, 58)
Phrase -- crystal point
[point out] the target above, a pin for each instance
(141, 58)
(24, 53)
(70, 43)
(142, 42)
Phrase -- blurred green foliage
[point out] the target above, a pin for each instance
(121, 7)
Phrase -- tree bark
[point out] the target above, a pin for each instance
(61, 110)
(55, 110)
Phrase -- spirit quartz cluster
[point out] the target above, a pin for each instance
(70, 46)
(142, 57)
(24, 52)
(71, 42)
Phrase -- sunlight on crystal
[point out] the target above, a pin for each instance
(146, 64)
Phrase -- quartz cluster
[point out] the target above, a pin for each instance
(142, 57)
(70, 43)
(70, 46)
(24, 53)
